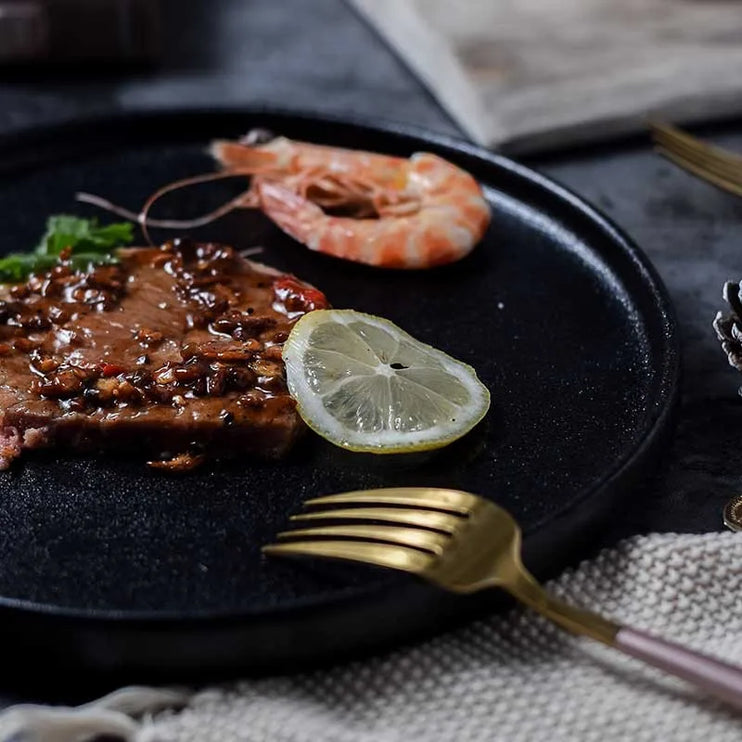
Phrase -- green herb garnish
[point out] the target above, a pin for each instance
(90, 244)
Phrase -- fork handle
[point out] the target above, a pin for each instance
(715, 676)
(719, 678)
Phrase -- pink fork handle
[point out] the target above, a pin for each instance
(714, 676)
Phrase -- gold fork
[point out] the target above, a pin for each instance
(708, 162)
(463, 543)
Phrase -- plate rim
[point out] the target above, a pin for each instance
(653, 428)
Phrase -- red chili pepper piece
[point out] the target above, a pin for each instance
(111, 369)
(296, 296)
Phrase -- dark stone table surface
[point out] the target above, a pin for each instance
(691, 232)
(318, 55)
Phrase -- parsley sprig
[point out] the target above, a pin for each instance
(90, 244)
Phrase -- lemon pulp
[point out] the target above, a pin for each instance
(364, 384)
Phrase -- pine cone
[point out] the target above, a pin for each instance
(729, 328)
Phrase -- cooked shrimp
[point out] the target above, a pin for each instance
(361, 206)
(371, 208)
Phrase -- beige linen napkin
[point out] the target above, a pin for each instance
(509, 678)
(527, 74)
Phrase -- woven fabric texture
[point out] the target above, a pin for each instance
(510, 678)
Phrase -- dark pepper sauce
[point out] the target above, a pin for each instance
(219, 334)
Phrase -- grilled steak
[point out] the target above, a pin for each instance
(174, 351)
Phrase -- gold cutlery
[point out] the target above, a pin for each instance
(706, 161)
(464, 543)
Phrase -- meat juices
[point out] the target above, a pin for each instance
(174, 352)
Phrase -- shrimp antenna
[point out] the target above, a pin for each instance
(246, 199)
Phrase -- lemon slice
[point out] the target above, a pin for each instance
(366, 385)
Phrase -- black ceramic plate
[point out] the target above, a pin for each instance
(109, 565)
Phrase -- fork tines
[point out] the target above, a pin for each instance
(403, 528)
(713, 164)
